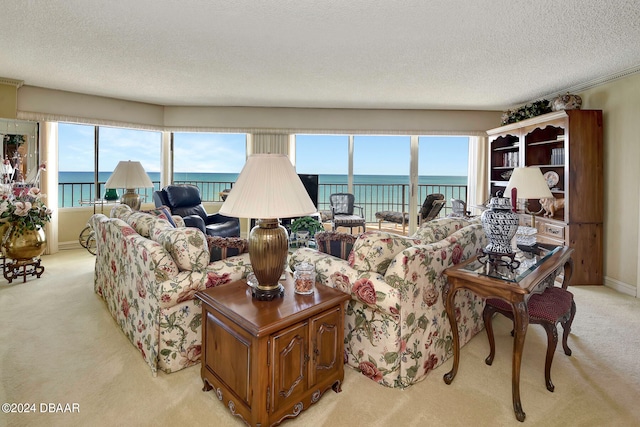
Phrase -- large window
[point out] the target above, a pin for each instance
(442, 167)
(381, 173)
(76, 164)
(328, 157)
(382, 168)
(211, 161)
(80, 147)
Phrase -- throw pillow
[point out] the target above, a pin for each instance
(374, 250)
(186, 246)
(225, 247)
(141, 222)
(162, 212)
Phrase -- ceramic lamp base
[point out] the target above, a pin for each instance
(268, 250)
(131, 199)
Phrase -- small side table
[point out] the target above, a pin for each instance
(514, 287)
(270, 360)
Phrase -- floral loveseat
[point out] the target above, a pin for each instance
(396, 328)
(148, 271)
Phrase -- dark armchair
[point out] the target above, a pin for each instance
(184, 200)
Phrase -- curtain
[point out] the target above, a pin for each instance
(275, 143)
(478, 186)
(49, 179)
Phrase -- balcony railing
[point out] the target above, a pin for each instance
(82, 193)
(372, 197)
(389, 197)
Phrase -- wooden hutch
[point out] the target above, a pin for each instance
(567, 147)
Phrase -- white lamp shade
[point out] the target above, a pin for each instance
(530, 184)
(129, 174)
(268, 187)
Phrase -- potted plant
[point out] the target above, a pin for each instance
(306, 223)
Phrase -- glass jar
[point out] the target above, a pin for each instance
(304, 278)
(252, 280)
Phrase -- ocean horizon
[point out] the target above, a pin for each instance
(87, 177)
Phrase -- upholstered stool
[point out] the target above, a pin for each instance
(554, 305)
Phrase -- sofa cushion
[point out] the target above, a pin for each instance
(438, 229)
(374, 250)
(224, 247)
(121, 211)
(187, 246)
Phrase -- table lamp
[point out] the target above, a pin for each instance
(529, 183)
(129, 175)
(268, 188)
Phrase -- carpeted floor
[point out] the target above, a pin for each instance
(59, 345)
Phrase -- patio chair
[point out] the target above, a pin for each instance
(430, 209)
(459, 209)
(342, 212)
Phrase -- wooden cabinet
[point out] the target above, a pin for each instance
(567, 147)
(269, 360)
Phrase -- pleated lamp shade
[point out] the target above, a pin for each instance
(268, 187)
(129, 174)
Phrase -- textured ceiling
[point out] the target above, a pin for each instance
(445, 54)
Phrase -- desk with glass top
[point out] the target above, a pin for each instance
(536, 272)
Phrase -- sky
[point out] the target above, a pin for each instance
(225, 153)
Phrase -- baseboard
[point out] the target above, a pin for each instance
(621, 287)
(69, 245)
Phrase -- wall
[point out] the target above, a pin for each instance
(34, 103)
(620, 102)
(297, 120)
(8, 100)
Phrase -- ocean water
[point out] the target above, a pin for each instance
(87, 177)
(380, 192)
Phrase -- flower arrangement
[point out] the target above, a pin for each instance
(22, 204)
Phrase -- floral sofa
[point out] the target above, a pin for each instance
(148, 271)
(396, 328)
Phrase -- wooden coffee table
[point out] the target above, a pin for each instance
(515, 288)
(270, 360)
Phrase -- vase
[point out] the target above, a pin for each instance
(500, 224)
(24, 244)
(566, 102)
(4, 227)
